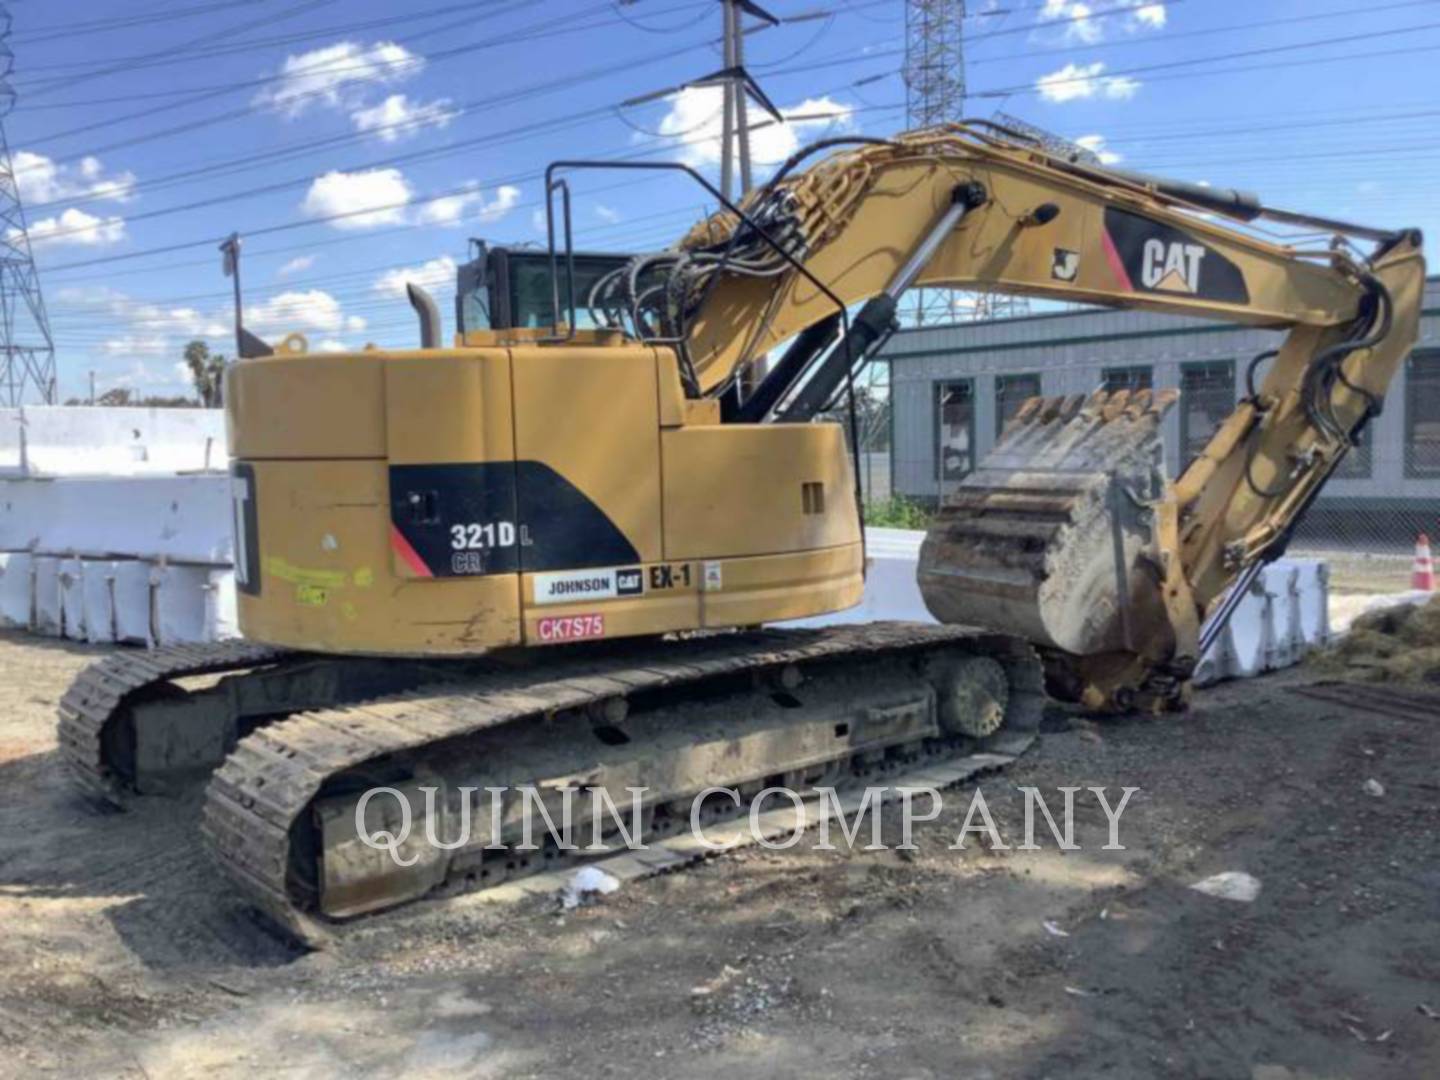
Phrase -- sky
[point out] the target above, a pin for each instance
(356, 145)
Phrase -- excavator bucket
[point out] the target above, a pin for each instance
(1052, 537)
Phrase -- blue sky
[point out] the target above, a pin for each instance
(359, 144)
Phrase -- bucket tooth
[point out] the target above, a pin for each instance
(1051, 537)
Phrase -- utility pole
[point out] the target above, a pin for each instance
(728, 109)
(738, 87)
(27, 350)
(742, 100)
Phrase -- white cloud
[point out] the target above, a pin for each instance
(312, 310)
(1078, 26)
(694, 119)
(146, 340)
(607, 214)
(337, 76)
(1148, 16)
(397, 117)
(365, 199)
(140, 375)
(538, 222)
(332, 346)
(1077, 23)
(469, 205)
(435, 274)
(140, 328)
(1096, 145)
(76, 227)
(43, 180)
(1076, 82)
(297, 265)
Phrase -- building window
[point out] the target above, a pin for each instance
(954, 430)
(1127, 378)
(1422, 414)
(1207, 397)
(1012, 391)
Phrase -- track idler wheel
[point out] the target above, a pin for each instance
(973, 693)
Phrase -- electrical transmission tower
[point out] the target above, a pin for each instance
(934, 75)
(27, 351)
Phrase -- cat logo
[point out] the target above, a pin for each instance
(1154, 256)
(1172, 267)
(1065, 265)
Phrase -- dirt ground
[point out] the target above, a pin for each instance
(123, 955)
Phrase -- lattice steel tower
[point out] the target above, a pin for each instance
(934, 75)
(27, 351)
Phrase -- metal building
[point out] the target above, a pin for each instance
(953, 386)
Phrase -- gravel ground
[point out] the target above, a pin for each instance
(124, 955)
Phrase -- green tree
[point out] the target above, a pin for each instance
(207, 372)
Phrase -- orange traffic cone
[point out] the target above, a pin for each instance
(1423, 577)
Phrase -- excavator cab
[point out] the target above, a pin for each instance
(508, 288)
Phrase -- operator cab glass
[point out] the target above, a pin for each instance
(506, 288)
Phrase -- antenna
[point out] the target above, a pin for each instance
(27, 351)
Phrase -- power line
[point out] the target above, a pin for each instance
(297, 284)
(96, 26)
(366, 69)
(1203, 59)
(228, 32)
(1228, 28)
(450, 149)
(1270, 50)
(303, 148)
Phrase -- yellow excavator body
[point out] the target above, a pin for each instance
(464, 500)
(611, 452)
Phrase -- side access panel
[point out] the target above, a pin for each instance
(588, 488)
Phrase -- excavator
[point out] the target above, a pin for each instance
(551, 555)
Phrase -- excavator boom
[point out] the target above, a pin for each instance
(1067, 534)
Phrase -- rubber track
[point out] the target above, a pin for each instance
(101, 691)
(272, 776)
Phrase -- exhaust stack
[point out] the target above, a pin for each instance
(430, 325)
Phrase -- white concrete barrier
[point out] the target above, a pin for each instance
(891, 591)
(17, 590)
(133, 605)
(1313, 606)
(72, 599)
(193, 604)
(184, 518)
(1283, 616)
(54, 440)
(98, 589)
(115, 524)
(47, 618)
